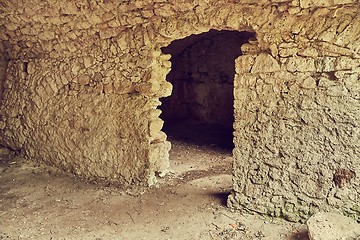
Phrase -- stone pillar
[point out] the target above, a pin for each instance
(297, 134)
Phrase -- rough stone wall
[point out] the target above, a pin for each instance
(70, 61)
(79, 98)
(61, 116)
(297, 122)
(202, 75)
(299, 135)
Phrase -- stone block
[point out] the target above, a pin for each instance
(159, 156)
(332, 226)
(265, 63)
(300, 64)
(309, 83)
(69, 8)
(325, 64)
(155, 126)
(244, 63)
(318, 3)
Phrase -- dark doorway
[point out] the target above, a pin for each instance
(200, 109)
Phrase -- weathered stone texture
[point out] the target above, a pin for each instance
(296, 129)
(332, 226)
(73, 121)
(83, 80)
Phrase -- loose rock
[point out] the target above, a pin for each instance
(332, 226)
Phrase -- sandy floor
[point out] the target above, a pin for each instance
(39, 202)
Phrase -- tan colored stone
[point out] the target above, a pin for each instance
(265, 63)
(309, 83)
(346, 63)
(300, 64)
(159, 156)
(332, 226)
(310, 3)
(250, 49)
(325, 64)
(84, 80)
(244, 63)
(88, 61)
(123, 87)
(349, 33)
(69, 8)
(294, 10)
(158, 137)
(108, 88)
(108, 32)
(164, 10)
(155, 126)
(94, 19)
(308, 52)
(328, 49)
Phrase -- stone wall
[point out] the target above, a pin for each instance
(84, 79)
(63, 116)
(297, 115)
(73, 87)
(299, 135)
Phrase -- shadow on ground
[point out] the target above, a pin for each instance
(221, 197)
(302, 234)
(200, 134)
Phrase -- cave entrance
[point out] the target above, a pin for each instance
(199, 115)
(200, 110)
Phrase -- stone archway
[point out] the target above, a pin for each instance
(157, 84)
(202, 75)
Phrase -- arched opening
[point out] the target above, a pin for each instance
(200, 109)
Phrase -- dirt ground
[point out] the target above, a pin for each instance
(40, 202)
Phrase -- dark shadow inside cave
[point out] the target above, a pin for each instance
(200, 109)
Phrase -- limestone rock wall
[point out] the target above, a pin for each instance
(78, 122)
(297, 115)
(83, 81)
(76, 97)
(298, 133)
